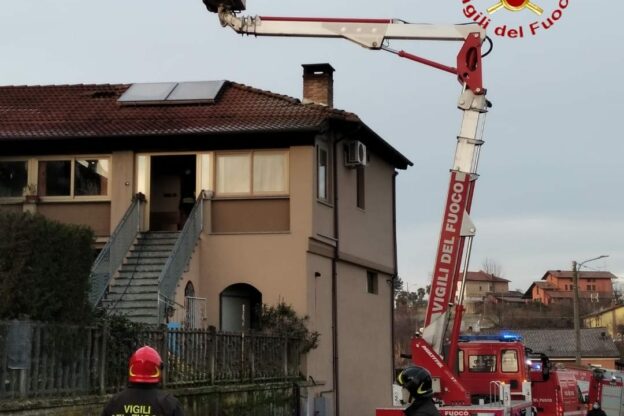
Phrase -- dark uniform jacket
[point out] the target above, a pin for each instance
(143, 400)
(596, 412)
(423, 407)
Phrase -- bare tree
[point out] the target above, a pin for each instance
(490, 266)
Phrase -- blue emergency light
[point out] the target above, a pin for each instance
(502, 336)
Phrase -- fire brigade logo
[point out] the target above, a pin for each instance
(531, 17)
(516, 6)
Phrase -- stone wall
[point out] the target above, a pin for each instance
(275, 399)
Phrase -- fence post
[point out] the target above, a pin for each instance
(286, 356)
(103, 358)
(212, 348)
(165, 354)
(252, 356)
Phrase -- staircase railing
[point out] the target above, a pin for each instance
(112, 255)
(180, 255)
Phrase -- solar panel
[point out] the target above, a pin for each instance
(172, 93)
(155, 91)
(196, 91)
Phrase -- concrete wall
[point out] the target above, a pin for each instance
(366, 234)
(364, 342)
(273, 399)
(122, 185)
(93, 214)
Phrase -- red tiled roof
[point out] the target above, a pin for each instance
(482, 276)
(92, 110)
(86, 111)
(582, 274)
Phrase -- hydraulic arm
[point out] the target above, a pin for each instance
(457, 228)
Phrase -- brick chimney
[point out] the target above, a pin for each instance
(318, 84)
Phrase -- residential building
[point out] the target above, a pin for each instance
(611, 318)
(597, 347)
(478, 286)
(557, 286)
(209, 199)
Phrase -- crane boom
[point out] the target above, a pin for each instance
(375, 34)
(457, 228)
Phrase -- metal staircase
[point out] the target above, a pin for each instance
(137, 273)
(134, 291)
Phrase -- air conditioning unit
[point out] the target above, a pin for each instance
(356, 154)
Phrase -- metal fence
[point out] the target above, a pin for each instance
(114, 252)
(180, 256)
(43, 359)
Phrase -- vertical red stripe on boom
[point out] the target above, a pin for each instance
(443, 285)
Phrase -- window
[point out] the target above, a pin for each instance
(482, 363)
(361, 187)
(509, 361)
(233, 174)
(252, 173)
(460, 361)
(76, 177)
(270, 172)
(91, 177)
(371, 282)
(322, 173)
(13, 178)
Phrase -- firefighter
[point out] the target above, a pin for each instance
(596, 410)
(143, 396)
(417, 381)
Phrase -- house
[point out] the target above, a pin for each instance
(597, 347)
(478, 286)
(211, 198)
(557, 286)
(611, 318)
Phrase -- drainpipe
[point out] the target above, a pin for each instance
(396, 271)
(334, 280)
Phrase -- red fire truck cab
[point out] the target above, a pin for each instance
(485, 358)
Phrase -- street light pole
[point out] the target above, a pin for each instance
(576, 303)
(577, 318)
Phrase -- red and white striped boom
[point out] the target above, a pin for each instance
(457, 229)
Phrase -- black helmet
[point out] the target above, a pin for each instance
(417, 381)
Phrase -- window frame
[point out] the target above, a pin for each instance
(515, 352)
(372, 282)
(72, 161)
(32, 173)
(360, 187)
(472, 368)
(328, 198)
(252, 194)
(28, 161)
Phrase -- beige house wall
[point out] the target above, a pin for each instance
(609, 319)
(93, 214)
(274, 263)
(319, 362)
(364, 342)
(122, 185)
(367, 234)
(480, 288)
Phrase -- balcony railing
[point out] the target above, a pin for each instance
(180, 256)
(112, 255)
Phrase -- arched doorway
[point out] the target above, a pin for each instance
(192, 318)
(240, 306)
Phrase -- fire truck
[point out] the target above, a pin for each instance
(472, 375)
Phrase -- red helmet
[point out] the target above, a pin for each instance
(145, 366)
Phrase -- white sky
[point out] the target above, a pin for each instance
(551, 186)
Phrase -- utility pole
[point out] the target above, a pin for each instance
(577, 318)
(576, 303)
